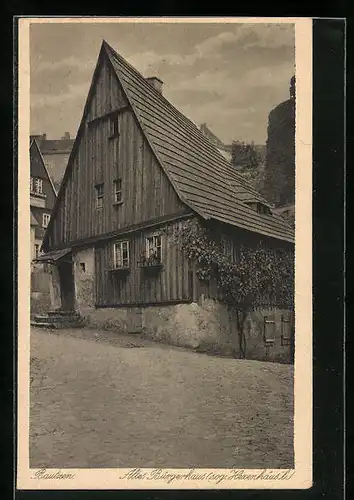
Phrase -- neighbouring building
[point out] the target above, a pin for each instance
(234, 149)
(35, 244)
(249, 160)
(279, 184)
(251, 169)
(55, 153)
(42, 198)
(137, 170)
(242, 158)
(224, 149)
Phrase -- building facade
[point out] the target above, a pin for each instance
(55, 153)
(137, 171)
(42, 198)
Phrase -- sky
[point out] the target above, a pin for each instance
(227, 75)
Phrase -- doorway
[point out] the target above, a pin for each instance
(135, 320)
(67, 290)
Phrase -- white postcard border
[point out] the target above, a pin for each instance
(301, 476)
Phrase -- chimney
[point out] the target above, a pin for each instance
(37, 137)
(66, 135)
(155, 82)
(44, 137)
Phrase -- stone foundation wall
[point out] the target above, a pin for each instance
(203, 326)
(113, 319)
(207, 326)
(254, 331)
(211, 326)
(40, 303)
(40, 289)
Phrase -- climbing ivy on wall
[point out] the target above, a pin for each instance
(258, 276)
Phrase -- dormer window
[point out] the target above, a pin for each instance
(259, 207)
(263, 209)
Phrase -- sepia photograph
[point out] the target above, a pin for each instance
(160, 175)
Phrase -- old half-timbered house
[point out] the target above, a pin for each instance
(42, 198)
(137, 168)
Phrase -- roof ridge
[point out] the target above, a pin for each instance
(161, 96)
(171, 133)
(230, 170)
(169, 176)
(161, 123)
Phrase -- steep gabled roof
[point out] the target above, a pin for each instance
(202, 177)
(38, 156)
(56, 145)
(33, 220)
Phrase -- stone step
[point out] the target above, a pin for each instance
(56, 325)
(60, 312)
(41, 324)
(56, 319)
(40, 317)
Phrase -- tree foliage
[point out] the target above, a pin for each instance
(244, 155)
(249, 163)
(258, 277)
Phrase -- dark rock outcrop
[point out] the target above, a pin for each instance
(279, 182)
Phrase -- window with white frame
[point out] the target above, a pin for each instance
(153, 248)
(99, 195)
(38, 186)
(117, 191)
(31, 184)
(45, 220)
(121, 254)
(36, 251)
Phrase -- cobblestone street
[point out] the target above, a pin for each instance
(105, 400)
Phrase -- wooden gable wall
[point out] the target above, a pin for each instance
(147, 193)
